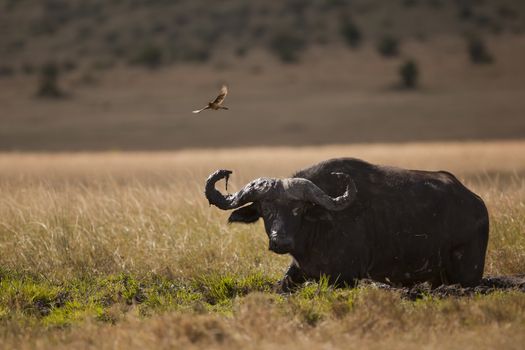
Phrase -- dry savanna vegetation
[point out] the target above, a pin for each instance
(153, 33)
(121, 251)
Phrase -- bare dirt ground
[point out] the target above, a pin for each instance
(334, 96)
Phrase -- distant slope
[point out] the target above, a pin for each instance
(102, 32)
(338, 97)
(338, 90)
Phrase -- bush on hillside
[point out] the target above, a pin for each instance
(28, 68)
(287, 47)
(350, 32)
(48, 87)
(465, 12)
(388, 46)
(196, 53)
(6, 71)
(149, 56)
(478, 51)
(409, 74)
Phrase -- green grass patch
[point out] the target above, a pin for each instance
(36, 301)
(107, 299)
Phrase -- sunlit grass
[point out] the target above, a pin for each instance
(126, 245)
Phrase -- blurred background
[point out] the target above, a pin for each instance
(82, 75)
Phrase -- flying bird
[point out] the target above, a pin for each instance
(217, 103)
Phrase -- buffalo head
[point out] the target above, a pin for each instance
(282, 203)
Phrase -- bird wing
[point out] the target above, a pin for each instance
(222, 95)
(200, 110)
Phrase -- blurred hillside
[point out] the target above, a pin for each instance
(105, 32)
(125, 74)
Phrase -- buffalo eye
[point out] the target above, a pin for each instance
(267, 212)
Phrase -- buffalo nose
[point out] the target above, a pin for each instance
(280, 246)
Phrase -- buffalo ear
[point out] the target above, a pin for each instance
(316, 213)
(247, 214)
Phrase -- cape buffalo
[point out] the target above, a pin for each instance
(348, 219)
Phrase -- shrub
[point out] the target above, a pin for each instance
(478, 51)
(297, 6)
(196, 53)
(112, 37)
(49, 82)
(28, 68)
(287, 47)
(103, 64)
(149, 56)
(483, 21)
(329, 4)
(507, 12)
(388, 46)
(6, 71)
(436, 4)
(16, 45)
(409, 73)
(241, 50)
(350, 32)
(465, 12)
(409, 3)
(10, 5)
(69, 65)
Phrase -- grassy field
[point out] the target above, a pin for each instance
(121, 251)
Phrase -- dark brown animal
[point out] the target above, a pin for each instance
(349, 220)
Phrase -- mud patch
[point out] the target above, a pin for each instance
(487, 285)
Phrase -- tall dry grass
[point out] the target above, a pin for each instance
(376, 320)
(72, 216)
(66, 214)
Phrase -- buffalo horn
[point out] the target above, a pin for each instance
(266, 188)
(252, 192)
(306, 190)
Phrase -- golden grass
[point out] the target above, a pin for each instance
(72, 216)
(376, 319)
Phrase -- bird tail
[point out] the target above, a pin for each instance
(200, 110)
